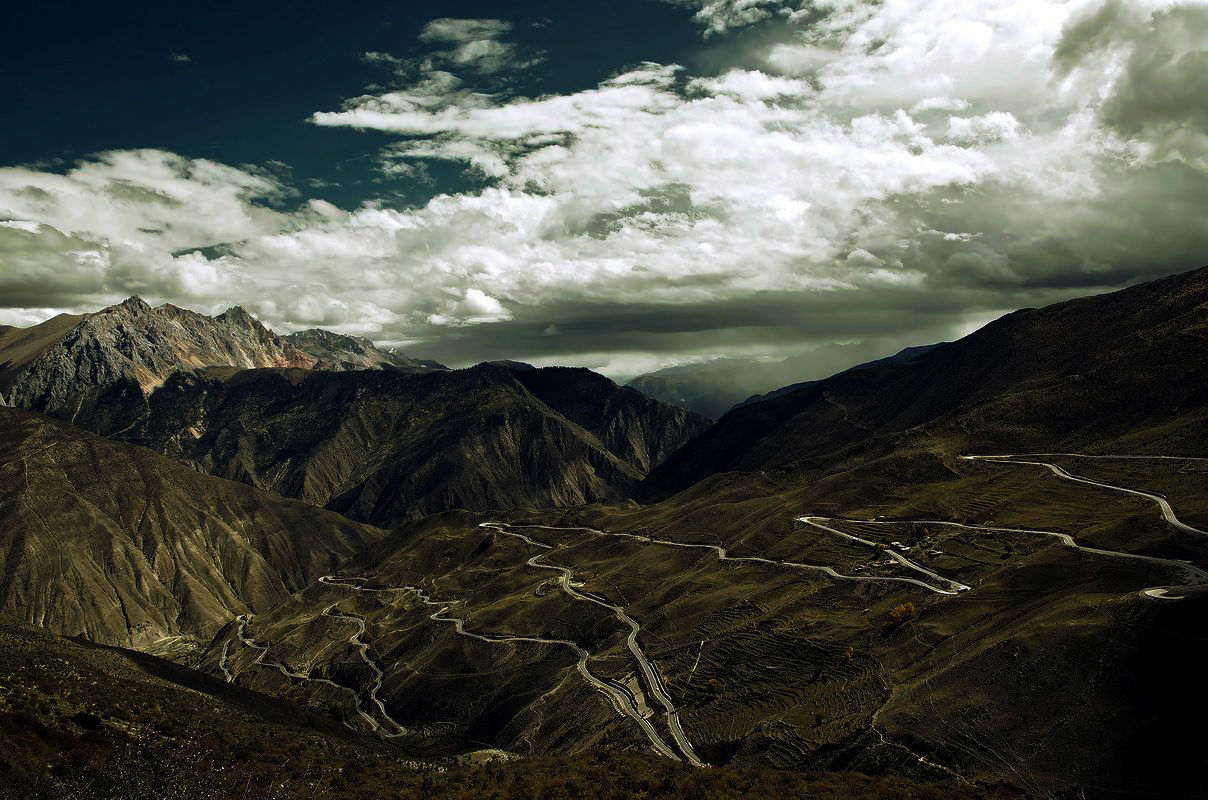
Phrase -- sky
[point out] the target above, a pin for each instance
(625, 186)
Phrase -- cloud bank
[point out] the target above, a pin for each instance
(880, 172)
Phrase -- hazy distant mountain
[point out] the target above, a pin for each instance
(115, 357)
(903, 356)
(380, 445)
(1077, 372)
(125, 546)
(716, 386)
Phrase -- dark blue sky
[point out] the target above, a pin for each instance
(99, 76)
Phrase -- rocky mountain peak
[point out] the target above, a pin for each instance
(133, 348)
(238, 315)
(131, 305)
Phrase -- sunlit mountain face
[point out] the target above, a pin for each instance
(626, 187)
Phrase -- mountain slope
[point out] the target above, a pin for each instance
(635, 428)
(129, 547)
(1076, 373)
(381, 446)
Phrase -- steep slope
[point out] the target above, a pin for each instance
(639, 430)
(380, 446)
(336, 351)
(19, 346)
(128, 547)
(1078, 373)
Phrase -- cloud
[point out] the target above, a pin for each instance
(939, 103)
(379, 57)
(995, 126)
(474, 44)
(721, 16)
(462, 31)
(118, 224)
(1159, 97)
(889, 172)
(475, 307)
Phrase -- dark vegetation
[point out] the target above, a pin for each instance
(191, 772)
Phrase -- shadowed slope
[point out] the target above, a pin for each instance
(382, 446)
(1084, 371)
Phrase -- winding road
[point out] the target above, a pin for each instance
(1022, 458)
(626, 700)
(724, 555)
(620, 698)
(378, 676)
(222, 662)
(654, 680)
(247, 641)
(1067, 541)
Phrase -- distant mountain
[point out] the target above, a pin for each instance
(702, 391)
(337, 351)
(903, 356)
(1087, 371)
(114, 358)
(128, 547)
(381, 446)
(716, 386)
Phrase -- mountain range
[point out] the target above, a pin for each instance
(72, 364)
(334, 420)
(979, 567)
